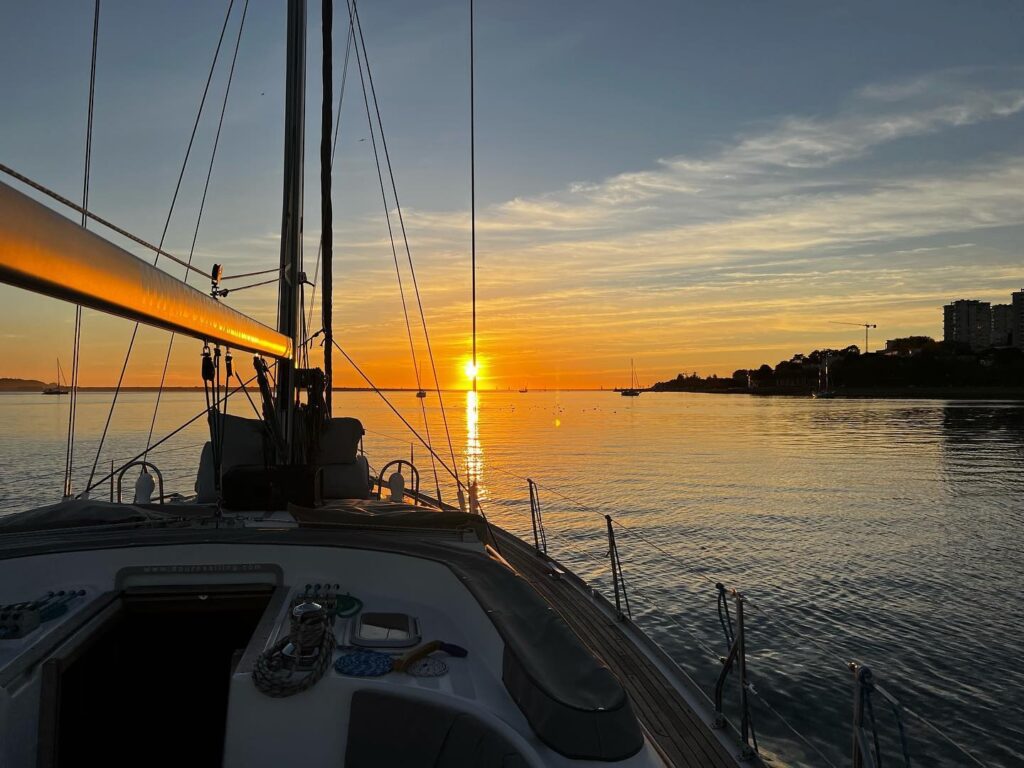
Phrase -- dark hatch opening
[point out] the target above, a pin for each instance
(149, 684)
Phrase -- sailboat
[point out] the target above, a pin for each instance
(824, 390)
(60, 388)
(297, 610)
(633, 390)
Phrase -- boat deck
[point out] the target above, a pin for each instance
(680, 733)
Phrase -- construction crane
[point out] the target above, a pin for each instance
(865, 326)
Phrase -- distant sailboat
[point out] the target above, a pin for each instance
(421, 393)
(57, 389)
(524, 390)
(633, 390)
(824, 391)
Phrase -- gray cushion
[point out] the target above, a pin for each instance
(347, 481)
(206, 488)
(243, 442)
(339, 441)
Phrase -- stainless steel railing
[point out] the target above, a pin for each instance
(540, 538)
(736, 657)
(867, 752)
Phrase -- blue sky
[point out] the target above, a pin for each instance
(701, 186)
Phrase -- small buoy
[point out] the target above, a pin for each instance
(144, 487)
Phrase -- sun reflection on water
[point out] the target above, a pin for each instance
(474, 454)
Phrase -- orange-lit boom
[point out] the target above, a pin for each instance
(44, 252)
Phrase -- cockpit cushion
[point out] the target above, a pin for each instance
(350, 480)
(242, 442)
(339, 440)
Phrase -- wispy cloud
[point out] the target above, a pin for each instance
(783, 222)
(710, 260)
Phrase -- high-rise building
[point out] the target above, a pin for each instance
(1002, 325)
(967, 321)
(1017, 320)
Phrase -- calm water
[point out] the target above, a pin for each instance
(885, 531)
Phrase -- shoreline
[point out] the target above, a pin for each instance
(252, 387)
(881, 393)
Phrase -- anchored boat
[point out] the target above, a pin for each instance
(60, 388)
(824, 390)
(633, 390)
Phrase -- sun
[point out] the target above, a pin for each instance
(470, 370)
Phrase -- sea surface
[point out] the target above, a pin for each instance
(884, 531)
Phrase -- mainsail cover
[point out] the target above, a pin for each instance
(44, 252)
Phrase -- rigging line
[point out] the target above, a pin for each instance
(248, 396)
(433, 463)
(628, 528)
(334, 150)
(69, 458)
(251, 274)
(6, 169)
(472, 172)
(159, 442)
(167, 223)
(391, 235)
(790, 726)
(387, 216)
(827, 653)
(712, 654)
(354, 13)
(199, 217)
(167, 437)
(943, 735)
(253, 285)
(394, 410)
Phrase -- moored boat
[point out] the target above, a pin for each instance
(59, 388)
(633, 390)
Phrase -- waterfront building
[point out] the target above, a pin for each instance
(1002, 325)
(968, 321)
(1017, 318)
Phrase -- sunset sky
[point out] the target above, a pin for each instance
(698, 186)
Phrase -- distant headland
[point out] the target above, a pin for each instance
(22, 385)
(916, 366)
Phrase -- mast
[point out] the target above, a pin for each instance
(291, 216)
(472, 175)
(326, 225)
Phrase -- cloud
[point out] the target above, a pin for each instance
(709, 261)
(741, 245)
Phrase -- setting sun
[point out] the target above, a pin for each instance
(470, 370)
